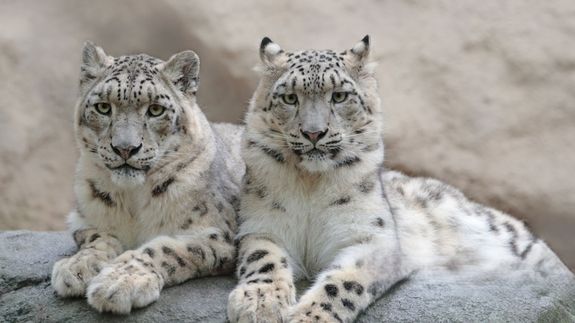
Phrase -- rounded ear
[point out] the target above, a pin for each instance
(269, 52)
(94, 61)
(182, 70)
(361, 49)
(356, 58)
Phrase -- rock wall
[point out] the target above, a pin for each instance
(479, 95)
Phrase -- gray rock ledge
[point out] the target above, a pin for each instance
(26, 260)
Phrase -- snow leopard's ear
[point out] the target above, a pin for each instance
(271, 54)
(183, 69)
(94, 61)
(356, 58)
(360, 51)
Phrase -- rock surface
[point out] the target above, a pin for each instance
(26, 261)
(478, 94)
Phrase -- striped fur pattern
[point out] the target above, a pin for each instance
(317, 203)
(156, 184)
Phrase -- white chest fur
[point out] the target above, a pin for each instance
(313, 221)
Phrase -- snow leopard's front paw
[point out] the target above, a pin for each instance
(130, 282)
(71, 276)
(313, 312)
(262, 302)
(338, 298)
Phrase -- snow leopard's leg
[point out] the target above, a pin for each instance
(265, 291)
(71, 276)
(136, 277)
(359, 275)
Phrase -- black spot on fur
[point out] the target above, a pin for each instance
(335, 316)
(348, 304)
(277, 206)
(187, 224)
(256, 255)
(326, 307)
(220, 207)
(348, 162)
(106, 198)
(213, 236)
(150, 252)
(490, 218)
(527, 249)
(79, 237)
(341, 201)
(202, 208)
(379, 222)
(162, 188)
(513, 241)
(167, 250)
(366, 186)
(94, 237)
(353, 286)
(197, 251)
(180, 261)
(170, 270)
(331, 290)
(214, 255)
(262, 192)
(376, 288)
(276, 155)
(267, 268)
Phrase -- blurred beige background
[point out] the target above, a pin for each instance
(480, 94)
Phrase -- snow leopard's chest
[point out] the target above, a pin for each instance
(312, 227)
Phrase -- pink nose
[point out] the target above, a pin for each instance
(126, 151)
(315, 136)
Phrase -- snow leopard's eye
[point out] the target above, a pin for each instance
(156, 110)
(290, 99)
(339, 97)
(103, 108)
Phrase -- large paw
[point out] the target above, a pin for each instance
(124, 285)
(267, 301)
(70, 276)
(330, 301)
(314, 312)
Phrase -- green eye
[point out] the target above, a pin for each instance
(338, 97)
(290, 99)
(103, 108)
(156, 110)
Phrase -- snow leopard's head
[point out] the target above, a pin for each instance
(134, 112)
(317, 108)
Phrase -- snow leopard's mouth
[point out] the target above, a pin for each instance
(127, 175)
(125, 167)
(315, 154)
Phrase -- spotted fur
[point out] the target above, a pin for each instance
(346, 223)
(156, 192)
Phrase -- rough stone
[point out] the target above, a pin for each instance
(26, 260)
(477, 93)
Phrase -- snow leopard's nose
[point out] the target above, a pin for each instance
(126, 151)
(314, 136)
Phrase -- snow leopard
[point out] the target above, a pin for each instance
(156, 184)
(318, 204)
